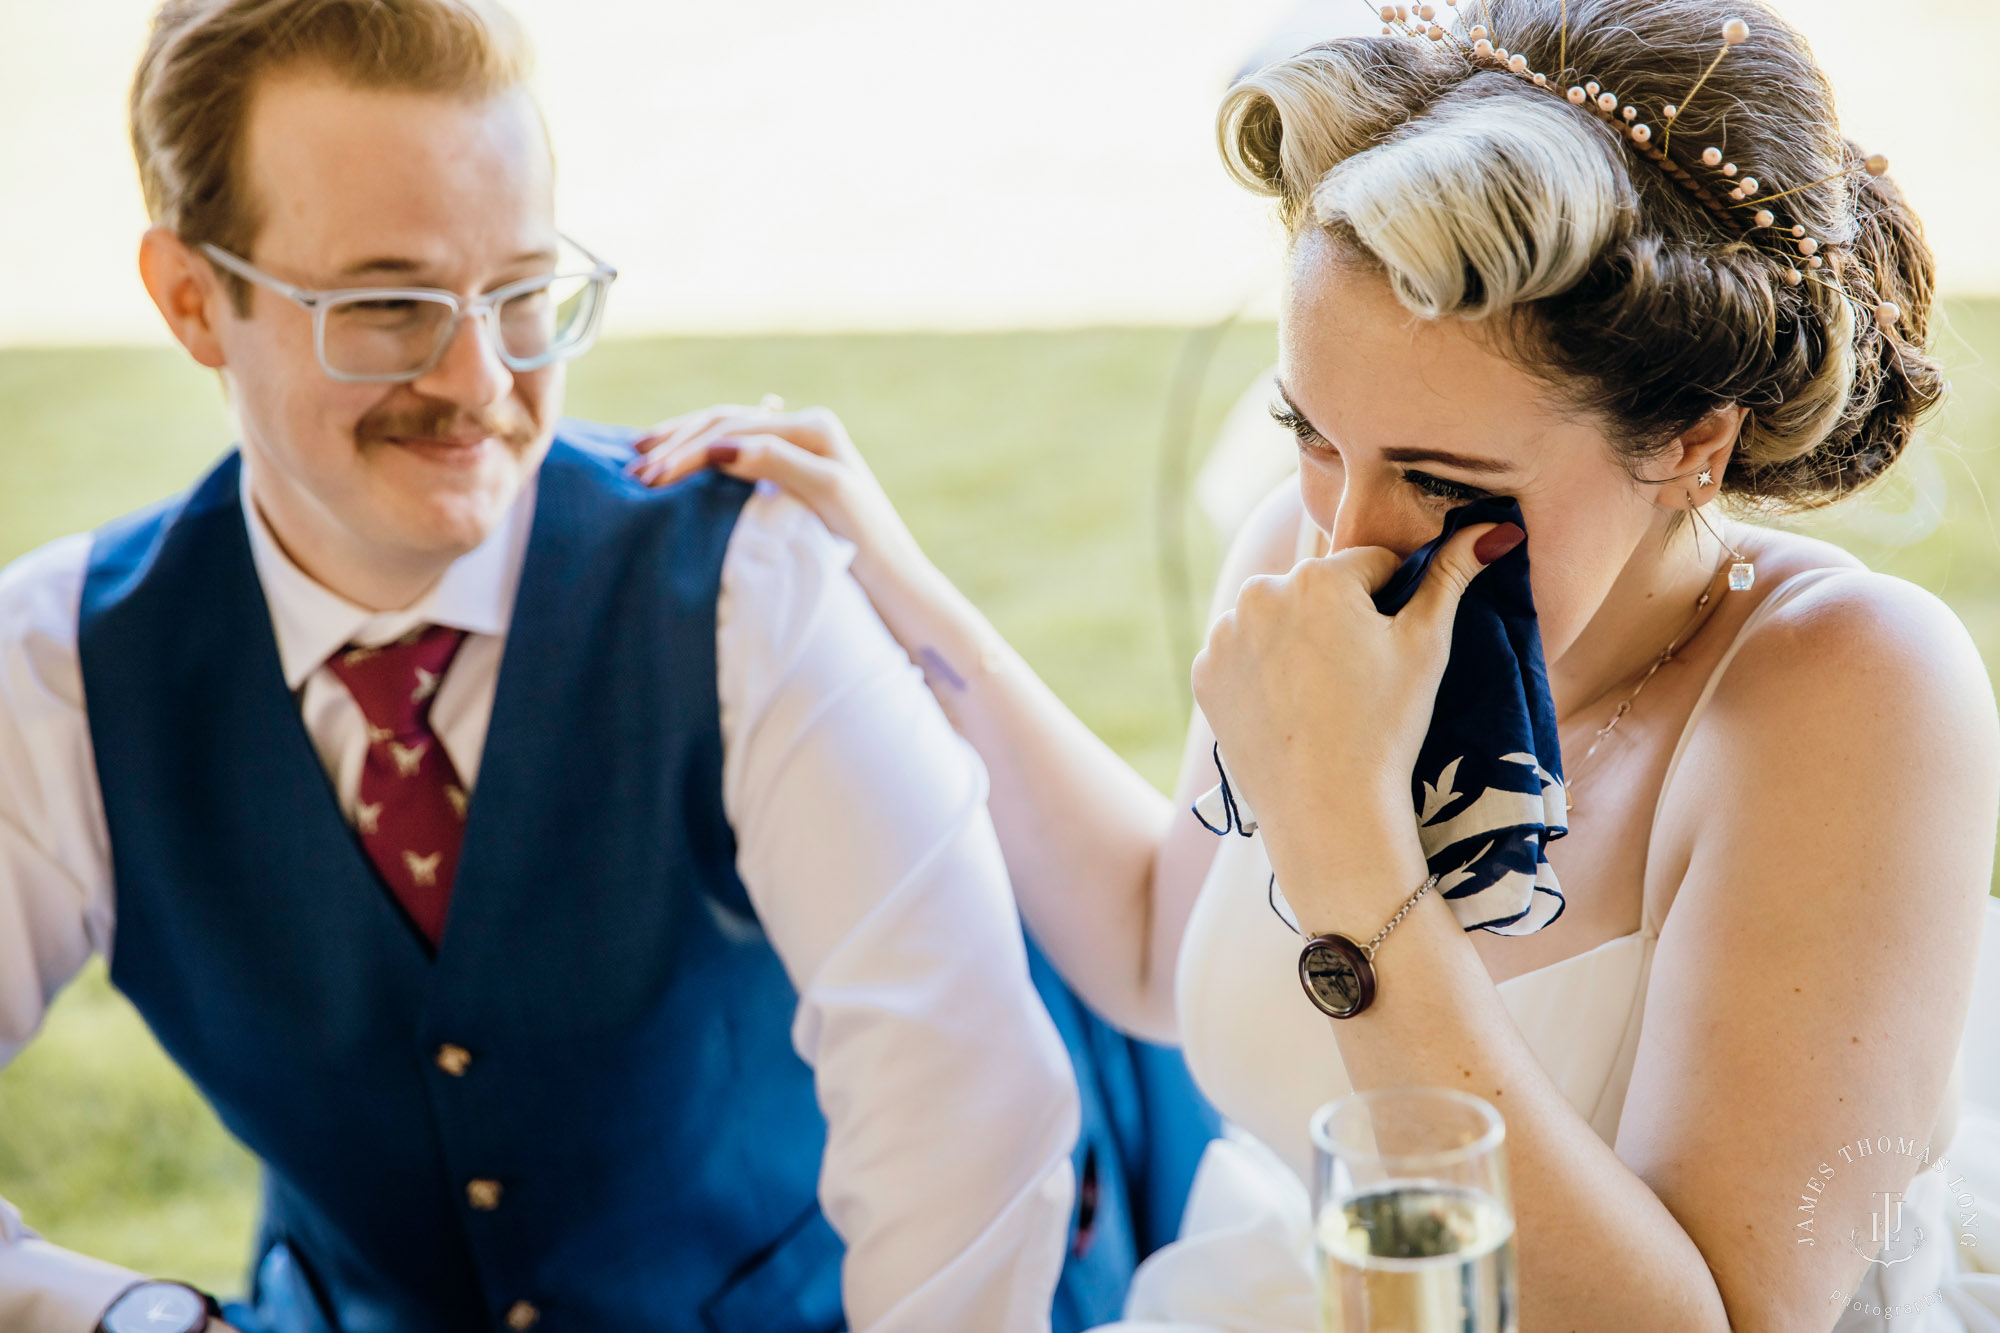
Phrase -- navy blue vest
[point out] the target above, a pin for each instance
(632, 1087)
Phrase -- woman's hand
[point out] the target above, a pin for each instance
(810, 455)
(1320, 702)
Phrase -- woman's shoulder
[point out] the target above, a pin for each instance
(1826, 597)
(1841, 636)
(1854, 705)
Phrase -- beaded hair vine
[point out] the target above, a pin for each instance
(1729, 199)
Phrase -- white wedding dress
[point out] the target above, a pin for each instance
(1268, 1059)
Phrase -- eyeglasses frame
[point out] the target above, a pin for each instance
(316, 303)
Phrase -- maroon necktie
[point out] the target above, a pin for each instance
(411, 814)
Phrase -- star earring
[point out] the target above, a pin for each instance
(1704, 478)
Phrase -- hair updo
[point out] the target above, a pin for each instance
(1480, 194)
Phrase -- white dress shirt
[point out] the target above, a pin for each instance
(864, 844)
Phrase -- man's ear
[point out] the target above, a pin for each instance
(188, 292)
(1708, 445)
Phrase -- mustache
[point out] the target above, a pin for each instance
(434, 418)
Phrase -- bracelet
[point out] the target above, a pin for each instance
(1338, 974)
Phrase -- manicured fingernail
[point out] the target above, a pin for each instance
(722, 455)
(1497, 542)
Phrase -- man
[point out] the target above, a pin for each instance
(518, 860)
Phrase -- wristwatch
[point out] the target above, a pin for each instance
(1338, 974)
(160, 1307)
(1339, 978)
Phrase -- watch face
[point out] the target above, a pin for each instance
(157, 1307)
(1337, 976)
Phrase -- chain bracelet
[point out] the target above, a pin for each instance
(1422, 889)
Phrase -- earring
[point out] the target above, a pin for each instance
(1743, 573)
(1704, 478)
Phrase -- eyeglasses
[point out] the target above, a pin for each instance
(391, 335)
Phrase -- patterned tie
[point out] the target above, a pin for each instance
(411, 816)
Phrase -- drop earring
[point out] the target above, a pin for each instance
(1743, 572)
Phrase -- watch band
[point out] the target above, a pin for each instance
(1338, 974)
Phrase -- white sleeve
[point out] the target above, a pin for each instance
(55, 887)
(866, 848)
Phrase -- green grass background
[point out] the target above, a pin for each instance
(1029, 464)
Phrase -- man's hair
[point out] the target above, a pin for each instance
(192, 92)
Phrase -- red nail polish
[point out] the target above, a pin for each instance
(722, 455)
(1497, 542)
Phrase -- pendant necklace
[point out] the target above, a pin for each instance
(1702, 611)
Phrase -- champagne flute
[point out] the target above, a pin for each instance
(1414, 1225)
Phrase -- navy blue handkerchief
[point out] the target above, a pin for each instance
(1487, 790)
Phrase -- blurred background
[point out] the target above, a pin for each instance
(996, 238)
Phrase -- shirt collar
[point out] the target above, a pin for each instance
(312, 622)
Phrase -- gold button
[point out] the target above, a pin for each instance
(453, 1059)
(522, 1315)
(483, 1194)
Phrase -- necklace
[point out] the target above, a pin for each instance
(1695, 622)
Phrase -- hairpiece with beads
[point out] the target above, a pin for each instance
(1723, 189)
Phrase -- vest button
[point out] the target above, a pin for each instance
(483, 1194)
(453, 1059)
(522, 1315)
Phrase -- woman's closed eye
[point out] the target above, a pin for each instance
(1439, 490)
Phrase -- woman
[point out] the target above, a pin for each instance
(1779, 852)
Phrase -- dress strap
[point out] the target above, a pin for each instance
(1774, 601)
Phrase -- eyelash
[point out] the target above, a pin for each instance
(1435, 488)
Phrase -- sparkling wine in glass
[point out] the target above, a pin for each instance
(1414, 1226)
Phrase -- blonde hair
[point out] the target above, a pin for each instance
(1483, 197)
(204, 59)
